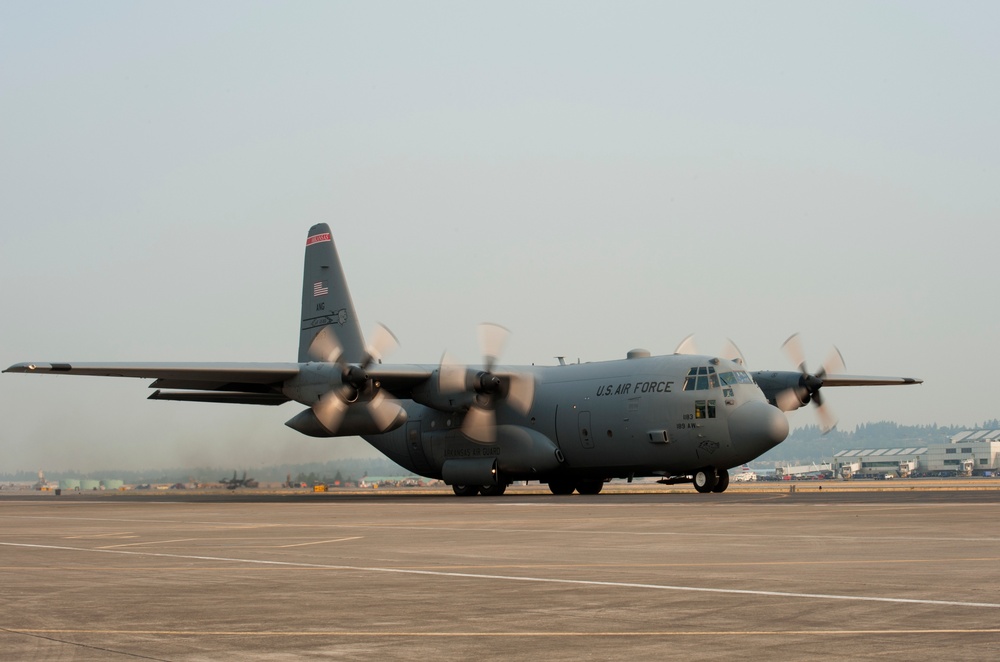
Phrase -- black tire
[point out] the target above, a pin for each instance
(561, 487)
(466, 490)
(590, 486)
(493, 490)
(705, 479)
(723, 482)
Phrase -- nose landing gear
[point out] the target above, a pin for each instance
(709, 479)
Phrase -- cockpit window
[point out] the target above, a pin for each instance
(704, 378)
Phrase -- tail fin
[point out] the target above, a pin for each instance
(326, 300)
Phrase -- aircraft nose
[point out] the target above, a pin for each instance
(757, 425)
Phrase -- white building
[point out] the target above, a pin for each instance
(980, 446)
(972, 452)
(879, 461)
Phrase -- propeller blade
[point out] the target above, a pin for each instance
(325, 347)
(382, 344)
(827, 419)
(521, 391)
(451, 375)
(480, 425)
(834, 364)
(687, 346)
(330, 410)
(492, 338)
(793, 347)
(789, 399)
(811, 385)
(732, 353)
(384, 409)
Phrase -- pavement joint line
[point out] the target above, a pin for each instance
(540, 566)
(532, 634)
(588, 532)
(540, 580)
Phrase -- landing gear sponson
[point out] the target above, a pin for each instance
(705, 480)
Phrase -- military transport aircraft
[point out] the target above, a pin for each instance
(682, 417)
(234, 482)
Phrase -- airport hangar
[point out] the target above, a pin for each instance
(971, 452)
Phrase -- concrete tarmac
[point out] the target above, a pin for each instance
(756, 575)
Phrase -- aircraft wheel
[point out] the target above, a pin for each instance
(705, 479)
(590, 486)
(723, 482)
(493, 490)
(466, 490)
(561, 487)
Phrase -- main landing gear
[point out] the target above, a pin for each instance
(485, 490)
(566, 487)
(709, 479)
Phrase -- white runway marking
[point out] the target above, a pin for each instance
(514, 578)
(148, 542)
(320, 542)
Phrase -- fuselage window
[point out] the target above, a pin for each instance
(735, 377)
(704, 409)
(701, 379)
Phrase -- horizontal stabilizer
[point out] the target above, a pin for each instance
(219, 373)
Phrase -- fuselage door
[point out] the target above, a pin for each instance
(415, 447)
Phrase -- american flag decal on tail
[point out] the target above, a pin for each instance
(320, 289)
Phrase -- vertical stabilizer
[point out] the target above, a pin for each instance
(326, 300)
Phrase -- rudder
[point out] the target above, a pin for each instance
(326, 301)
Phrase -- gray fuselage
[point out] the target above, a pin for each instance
(647, 416)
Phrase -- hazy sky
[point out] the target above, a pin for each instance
(594, 176)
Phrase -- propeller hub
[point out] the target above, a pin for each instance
(487, 382)
(812, 382)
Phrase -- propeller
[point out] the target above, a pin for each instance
(332, 406)
(488, 387)
(808, 388)
(730, 352)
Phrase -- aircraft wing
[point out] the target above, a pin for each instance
(400, 380)
(243, 383)
(860, 380)
(774, 383)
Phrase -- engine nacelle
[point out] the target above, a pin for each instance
(357, 421)
(429, 394)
